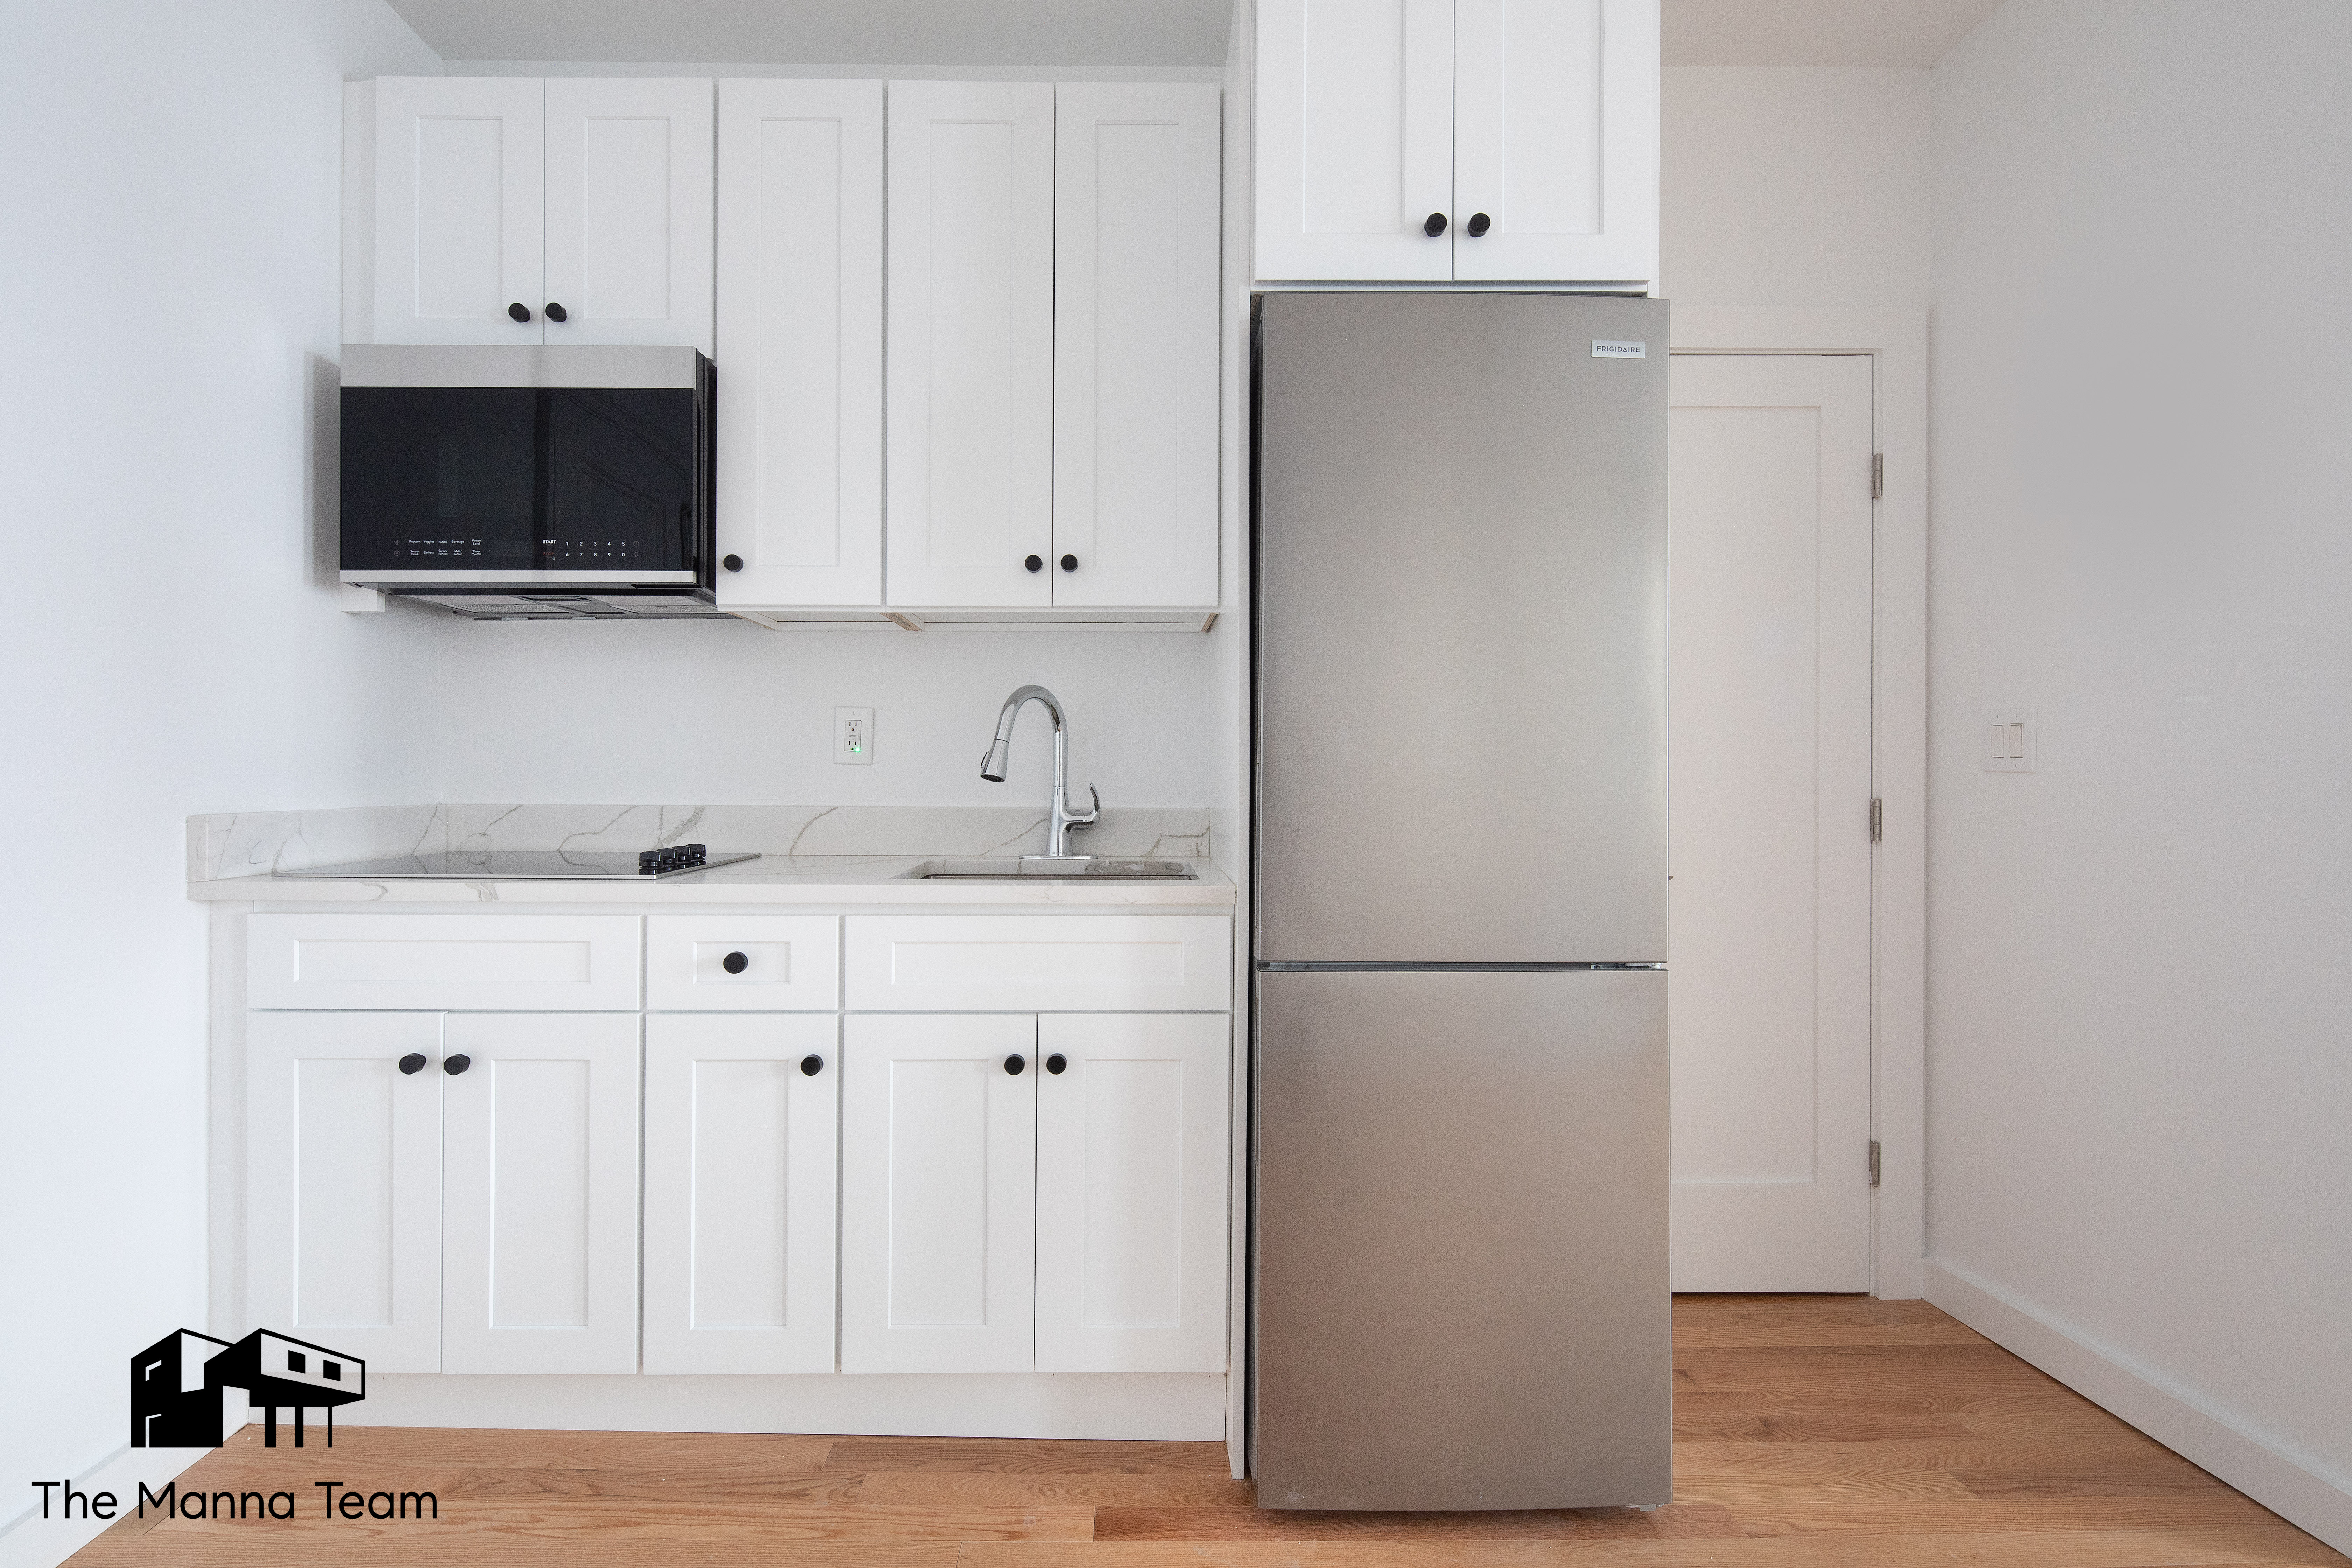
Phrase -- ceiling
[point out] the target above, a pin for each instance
(1100, 32)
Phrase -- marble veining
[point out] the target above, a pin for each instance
(1174, 833)
(255, 843)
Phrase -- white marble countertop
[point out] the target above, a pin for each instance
(771, 880)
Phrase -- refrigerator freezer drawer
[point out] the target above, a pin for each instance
(1460, 1292)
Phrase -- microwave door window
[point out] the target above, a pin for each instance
(621, 481)
(442, 478)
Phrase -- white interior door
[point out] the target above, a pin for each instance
(629, 167)
(459, 164)
(740, 1116)
(1132, 1119)
(1770, 775)
(539, 1165)
(1355, 139)
(1556, 139)
(1135, 344)
(970, 386)
(343, 1181)
(938, 1183)
(799, 342)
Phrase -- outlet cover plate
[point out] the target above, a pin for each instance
(852, 736)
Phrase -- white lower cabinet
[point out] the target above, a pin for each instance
(740, 1118)
(939, 1166)
(1132, 1182)
(538, 1248)
(343, 1182)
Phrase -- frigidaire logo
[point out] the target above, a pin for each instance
(182, 1387)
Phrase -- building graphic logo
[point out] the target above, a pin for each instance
(180, 1387)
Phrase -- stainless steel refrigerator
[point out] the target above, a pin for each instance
(1458, 1247)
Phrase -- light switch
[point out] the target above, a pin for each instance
(2009, 739)
(852, 736)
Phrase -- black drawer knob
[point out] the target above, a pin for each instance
(1056, 1062)
(1069, 563)
(812, 1065)
(412, 1063)
(1015, 1063)
(1435, 225)
(519, 311)
(556, 313)
(735, 964)
(732, 562)
(455, 1065)
(1034, 562)
(1480, 224)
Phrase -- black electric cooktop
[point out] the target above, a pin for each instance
(529, 866)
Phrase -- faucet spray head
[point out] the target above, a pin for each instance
(992, 766)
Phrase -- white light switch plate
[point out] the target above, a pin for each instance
(852, 736)
(2008, 739)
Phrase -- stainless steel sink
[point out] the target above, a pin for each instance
(1026, 867)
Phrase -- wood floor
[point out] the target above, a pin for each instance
(1810, 1432)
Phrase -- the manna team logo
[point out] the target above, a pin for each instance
(180, 1386)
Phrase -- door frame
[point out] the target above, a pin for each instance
(1896, 337)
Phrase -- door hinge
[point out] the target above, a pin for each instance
(1874, 1161)
(1877, 476)
(1877, 819)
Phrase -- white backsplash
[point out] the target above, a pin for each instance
(252, 844)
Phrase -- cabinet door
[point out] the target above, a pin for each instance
(740, 1112)
(458, 208)
(1556, 139)
(343, 1182)
(1131, 1162)
(539, 1268)
(800, 336)
(629, 210)
(1355, 139)
(1135, 344)
(937, 1181)
(970, 383)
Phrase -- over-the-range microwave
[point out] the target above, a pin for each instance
(529, 483)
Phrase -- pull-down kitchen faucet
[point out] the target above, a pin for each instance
(992, 767)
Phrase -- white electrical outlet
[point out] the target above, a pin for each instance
(852, 736)
(2008, 739)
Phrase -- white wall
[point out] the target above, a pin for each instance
(731, 713)
(1794, 186)
(2141, 1041)
(172, 641)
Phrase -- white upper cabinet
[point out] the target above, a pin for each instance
(800, 342)
(1524, 132)
(1556, 139)
(1135, 344)
(971, 358)
(1355, 129)
(458, 209)
(505, 197)
(628, 211)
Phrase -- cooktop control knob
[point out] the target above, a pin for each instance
(674, 857)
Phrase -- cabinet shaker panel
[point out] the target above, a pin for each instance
(459, 164)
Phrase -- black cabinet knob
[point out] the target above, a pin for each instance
(1480, 224)
(1069, 563)
(1015, 1063)
(1034, 562)
(455, 1065)
(1056, 1062)
(556, 313)
(735, 964)
(412, 1063)
(812, 1065)
(732, 562)
(519, 311)
(1435, 225)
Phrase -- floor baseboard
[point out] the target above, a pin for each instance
(2283, 1485)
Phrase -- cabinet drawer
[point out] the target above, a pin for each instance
(491, 962)
(790, 964)
(1046, 964)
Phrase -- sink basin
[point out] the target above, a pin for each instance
(1028, 868)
